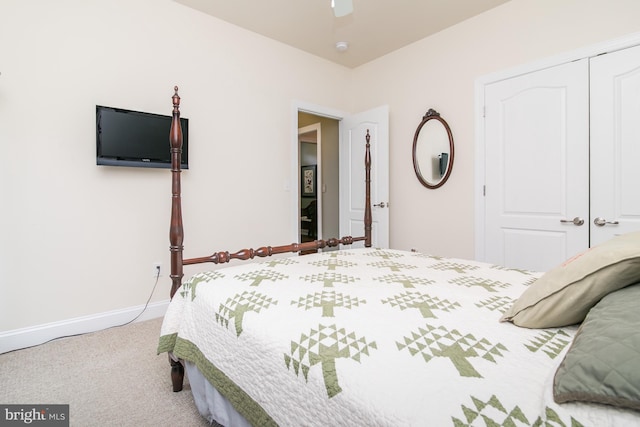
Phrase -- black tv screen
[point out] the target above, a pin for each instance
(137, 139)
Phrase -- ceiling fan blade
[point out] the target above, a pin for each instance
(342, 7)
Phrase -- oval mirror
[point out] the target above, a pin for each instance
(433, 150)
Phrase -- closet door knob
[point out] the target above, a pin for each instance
(575, 221)
(380, 205)
(601, 222)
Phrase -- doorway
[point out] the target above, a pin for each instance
(310, 161)
(318, 143)
(341, 190)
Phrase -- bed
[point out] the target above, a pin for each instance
(365, 336)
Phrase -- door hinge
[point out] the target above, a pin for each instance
(484, 190)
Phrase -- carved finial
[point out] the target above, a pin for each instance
(431, 113)
(368, 137)
(176, 97)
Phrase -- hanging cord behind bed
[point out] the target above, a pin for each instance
(145, 305)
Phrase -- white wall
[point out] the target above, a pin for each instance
(80, 239)
(440, 72)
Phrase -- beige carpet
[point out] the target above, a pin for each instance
(111, 377)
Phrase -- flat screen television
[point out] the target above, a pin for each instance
(136, 139)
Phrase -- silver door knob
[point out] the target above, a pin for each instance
(575, 221)
(380, 205)
(601, 222)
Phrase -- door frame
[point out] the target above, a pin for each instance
(481, 82)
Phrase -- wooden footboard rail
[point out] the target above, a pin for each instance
(176, 230)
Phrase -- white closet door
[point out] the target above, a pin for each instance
(536, 167)
(615, 144)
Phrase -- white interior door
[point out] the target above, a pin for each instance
(615, 144)
(353, 130)
(536, 167)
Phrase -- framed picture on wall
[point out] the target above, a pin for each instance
(308, 178)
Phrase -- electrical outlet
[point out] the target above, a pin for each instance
(157, 269)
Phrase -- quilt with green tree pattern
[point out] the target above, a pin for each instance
(372, 337)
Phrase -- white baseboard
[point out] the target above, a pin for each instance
(35, 335)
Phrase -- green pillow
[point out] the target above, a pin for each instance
(603, 363)
(564, 295)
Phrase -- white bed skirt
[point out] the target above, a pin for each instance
(214, 407)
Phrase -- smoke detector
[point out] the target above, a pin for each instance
(342, 46)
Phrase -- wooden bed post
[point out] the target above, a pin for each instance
(176, 231)
(367, 202)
